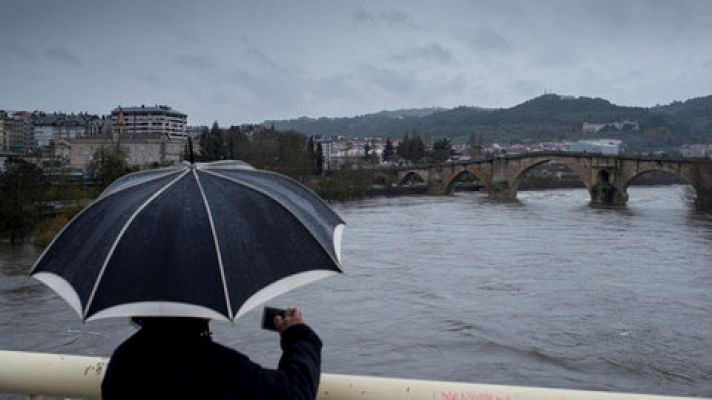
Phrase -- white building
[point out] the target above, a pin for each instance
(589, 127)
(602, 146)
(158, 120)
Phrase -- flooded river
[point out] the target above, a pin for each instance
(543, 292)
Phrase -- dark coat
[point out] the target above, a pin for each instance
(157, 364)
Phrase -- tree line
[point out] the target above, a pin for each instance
(37, 201)
(30, 198)
(287, 152)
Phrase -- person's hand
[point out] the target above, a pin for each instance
(291, 317)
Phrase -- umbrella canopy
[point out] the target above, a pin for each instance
(207, 240)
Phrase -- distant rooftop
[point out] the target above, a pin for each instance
(157, 109)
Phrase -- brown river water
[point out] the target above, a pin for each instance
(547, 291)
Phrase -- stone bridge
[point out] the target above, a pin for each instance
(606, 177)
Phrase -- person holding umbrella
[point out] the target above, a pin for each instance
(174, 358)
(176, 247)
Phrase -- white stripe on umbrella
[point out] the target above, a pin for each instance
(63, 288)
(282, 286)
(217, 244)
(163, 308)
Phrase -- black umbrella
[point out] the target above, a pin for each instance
(208, 240)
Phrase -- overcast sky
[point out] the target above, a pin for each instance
(247, 61)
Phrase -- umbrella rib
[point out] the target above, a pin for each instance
(278, 201)
(85, 209)
(217, 244)
(121, 235)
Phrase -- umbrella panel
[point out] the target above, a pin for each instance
(262, 242)
(167, 255)
(301, 202)
(78, 253)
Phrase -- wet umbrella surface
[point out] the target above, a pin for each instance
(209, 240)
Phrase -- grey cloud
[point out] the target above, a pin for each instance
(362, 16)
(25, 54)
(389, 80)
(405, 83)
(308, 61)
(150, 79)
(187, 37)
(487, 40)
(219, 97)
(198, 62)
(555, 56)
(379, 88)
(63, 56)
(432, 53)
(392, 18)
(635, 74)
(527, 87)
(262, 60)
(243, 79)
(273, 91)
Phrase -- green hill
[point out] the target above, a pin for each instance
(544, 118)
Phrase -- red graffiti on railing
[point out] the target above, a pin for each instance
(467, 395)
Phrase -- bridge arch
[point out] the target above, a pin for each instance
(682, 173)
(484, 177)
(582, 172)
(685, 173)
(412, 177)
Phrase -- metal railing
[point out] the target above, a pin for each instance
(60, 375)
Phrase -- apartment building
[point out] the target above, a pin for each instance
(18, 134)
(158, 120)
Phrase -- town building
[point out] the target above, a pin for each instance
(44, 129)
(50, 127)
(99, 126)
(603, 146)
(141, 150)
(4, 139)
(340, 150)
(158, 120)
(18, 133)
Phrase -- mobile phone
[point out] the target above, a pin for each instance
(268, 317)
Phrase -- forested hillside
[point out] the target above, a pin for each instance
(544, 118)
